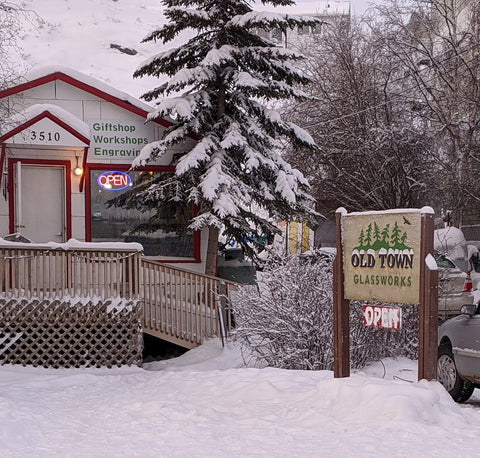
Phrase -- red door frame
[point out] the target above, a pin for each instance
(126, 168)
(68, 190)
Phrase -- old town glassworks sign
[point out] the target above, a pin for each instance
(381, 256)
(385, 257)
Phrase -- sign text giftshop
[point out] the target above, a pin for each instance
(118, 140)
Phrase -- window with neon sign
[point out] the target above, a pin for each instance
(114, 180)
(115, 223)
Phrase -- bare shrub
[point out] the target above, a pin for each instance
(286, 320)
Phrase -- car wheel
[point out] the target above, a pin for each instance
(447, 374)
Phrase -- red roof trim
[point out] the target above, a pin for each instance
(84, 87)
(44, 114)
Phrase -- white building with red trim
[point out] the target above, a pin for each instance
(66, 150)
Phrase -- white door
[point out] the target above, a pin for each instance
(40, 202)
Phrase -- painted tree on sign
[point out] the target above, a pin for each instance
(368, 239)
(395, 234)
(376, 231)
(385, 233)
(221, 88)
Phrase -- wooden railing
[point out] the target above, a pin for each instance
(179, 306)
(43, 272)
(184, 307)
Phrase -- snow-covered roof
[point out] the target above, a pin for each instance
(86, 83)
(33, 111)
(43, 72)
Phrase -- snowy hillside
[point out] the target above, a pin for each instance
(102, 38)
(86, 35)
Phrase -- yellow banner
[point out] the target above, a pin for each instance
(292, 237)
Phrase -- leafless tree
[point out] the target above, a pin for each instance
(11, 15)
(286, 320)
(373, 156)
(437, 46)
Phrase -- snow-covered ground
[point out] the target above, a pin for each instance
(207, 403)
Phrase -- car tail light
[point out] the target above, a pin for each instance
(468, 285)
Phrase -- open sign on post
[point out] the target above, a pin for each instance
(114, 180)
(376, 316)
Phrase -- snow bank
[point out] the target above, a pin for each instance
(227, 412)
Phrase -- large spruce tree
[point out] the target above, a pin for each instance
(222, 87)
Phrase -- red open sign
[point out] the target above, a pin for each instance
(114, 180)
(376, 316)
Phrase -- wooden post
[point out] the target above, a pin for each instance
(341, 315)
(222, 311)
(428, 311)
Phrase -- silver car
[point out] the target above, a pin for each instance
(454, 287)
(458, 366)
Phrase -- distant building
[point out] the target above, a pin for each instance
(328, 11)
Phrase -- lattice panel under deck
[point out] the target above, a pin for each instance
(54, 333)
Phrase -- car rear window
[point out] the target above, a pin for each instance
(444, 263)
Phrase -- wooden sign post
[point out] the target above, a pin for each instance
(386, 257)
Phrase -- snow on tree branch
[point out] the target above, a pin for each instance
(223, 84)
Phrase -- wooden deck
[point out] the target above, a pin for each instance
(179, 306)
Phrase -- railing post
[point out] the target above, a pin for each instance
(222, 311)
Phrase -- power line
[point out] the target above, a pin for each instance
(404, 91)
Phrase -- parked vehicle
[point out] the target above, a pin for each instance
(458, 366)
(451, 242)
(454, 287)
(474, 260)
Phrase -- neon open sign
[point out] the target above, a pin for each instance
(114, 180)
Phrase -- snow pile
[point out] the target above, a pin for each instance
(202, 404)
(450, 242)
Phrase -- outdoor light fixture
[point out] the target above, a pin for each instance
(77, 171)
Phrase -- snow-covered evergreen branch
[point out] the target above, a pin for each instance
(221, 88)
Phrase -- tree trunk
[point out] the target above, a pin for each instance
(212, 251)
(213, 232)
